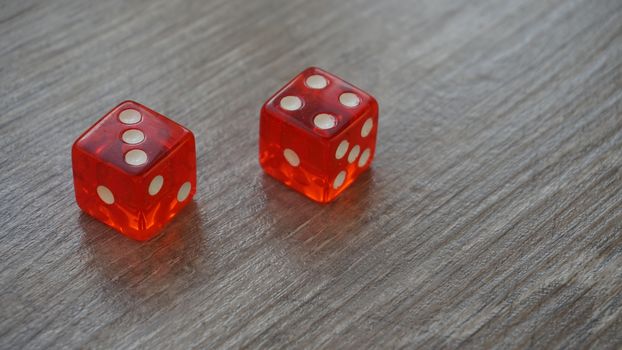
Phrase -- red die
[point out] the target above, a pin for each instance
(318, 134)
(134, 170)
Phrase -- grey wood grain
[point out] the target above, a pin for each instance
(492, 217)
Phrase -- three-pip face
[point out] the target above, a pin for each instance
(317, 134)
(134, 170)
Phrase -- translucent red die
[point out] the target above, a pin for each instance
(134, 170)
(317, 134)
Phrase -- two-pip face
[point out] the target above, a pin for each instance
(135, 169)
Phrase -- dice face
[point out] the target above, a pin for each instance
(134, 170)
(317, 134)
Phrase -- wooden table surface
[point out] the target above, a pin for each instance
(492, 216)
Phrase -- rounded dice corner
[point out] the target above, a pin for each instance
(265, 108)
(189, 137)
(373, 102)
(128, 102)
(75, 149)
(311, 70)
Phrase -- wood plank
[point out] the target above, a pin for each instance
(492, 216)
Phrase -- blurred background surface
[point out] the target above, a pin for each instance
(492, 216)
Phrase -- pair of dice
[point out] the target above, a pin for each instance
(135, 169)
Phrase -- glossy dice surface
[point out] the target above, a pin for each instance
(134, 170)
(317, 134)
